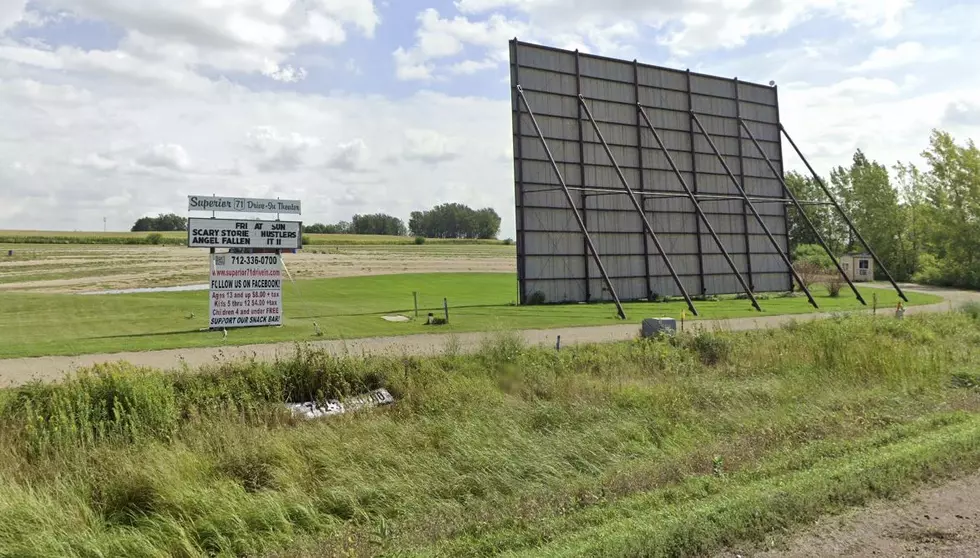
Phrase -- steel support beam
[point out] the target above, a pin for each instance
(697, 208)
(694, 184)
(639, 163)
(581, 170)
(799, 207)
(745, 209)
(840, 210)
(638, 207)
(571, 204)
(758, 217)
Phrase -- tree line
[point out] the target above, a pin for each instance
(448, 220)
(160, 223)
(923, 223)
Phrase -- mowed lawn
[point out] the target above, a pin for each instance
(349, 307)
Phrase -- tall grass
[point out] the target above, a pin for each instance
(667, 447)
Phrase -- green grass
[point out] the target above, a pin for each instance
(34, 324)
(179, 238)
(664, 447)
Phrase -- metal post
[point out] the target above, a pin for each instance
(697, 208)
(694, 183)
(517, 126)
(637, 206)
(842, 213)
(445, 307)
(571, 203)
(799, 207)
(415, 295)
(745, 209)
(581, 168)
(639, 163)
(758, 217)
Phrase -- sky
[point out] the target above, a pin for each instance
(116, 109)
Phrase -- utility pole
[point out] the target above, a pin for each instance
(104, 229)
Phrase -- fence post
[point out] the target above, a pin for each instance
(415, 295)
(445, 307)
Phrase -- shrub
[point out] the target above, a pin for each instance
(508, 241)
(154, 238)
(972, 309)
(834, 285)
(814, 254)
(711, 348)
(808, 271)
(536, 298)
(419, 240)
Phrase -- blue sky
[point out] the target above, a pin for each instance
(119, 109)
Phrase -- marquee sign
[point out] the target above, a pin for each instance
(243, 205)
(244, 233)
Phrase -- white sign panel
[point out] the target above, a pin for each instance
(242, 205)
(243, 233)
(246, 290)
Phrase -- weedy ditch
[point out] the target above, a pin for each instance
(657, 447)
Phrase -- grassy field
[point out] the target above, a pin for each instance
(666, 447)
(180, 238)
(84, 268)
(348, 307)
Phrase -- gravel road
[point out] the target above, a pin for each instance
(18, 371)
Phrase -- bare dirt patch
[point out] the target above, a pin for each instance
(937, 521)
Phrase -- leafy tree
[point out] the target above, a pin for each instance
(455, 220)
(343, 227)
(823, 217)
(160, 223)
(867, 195)
(378, 223)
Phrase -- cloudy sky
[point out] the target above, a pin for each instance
(121, 108)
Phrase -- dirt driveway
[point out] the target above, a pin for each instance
(941, 521)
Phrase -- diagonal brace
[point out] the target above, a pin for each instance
(751, 206)
(637, 206)
(799, 207)
(840, 210)
(697, 208)
(571, 203)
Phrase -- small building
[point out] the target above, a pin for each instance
(858, 267)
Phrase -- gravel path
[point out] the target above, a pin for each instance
(19, 371)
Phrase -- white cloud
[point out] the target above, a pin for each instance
(429, 146)
(166, 156)
(12, 12)
(350, 156)
(688, 26)
(438, 38)
(228, 35)
(167, 111)
(902, 54)
(279, 152)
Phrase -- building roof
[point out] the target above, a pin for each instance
(858, 254)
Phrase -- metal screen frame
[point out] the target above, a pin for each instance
(593, 186)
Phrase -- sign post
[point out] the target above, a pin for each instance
(246, 282)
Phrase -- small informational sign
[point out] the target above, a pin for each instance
(246, 290)
(243, 205)
(244, 233)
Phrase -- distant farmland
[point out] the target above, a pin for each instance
(178, 238)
